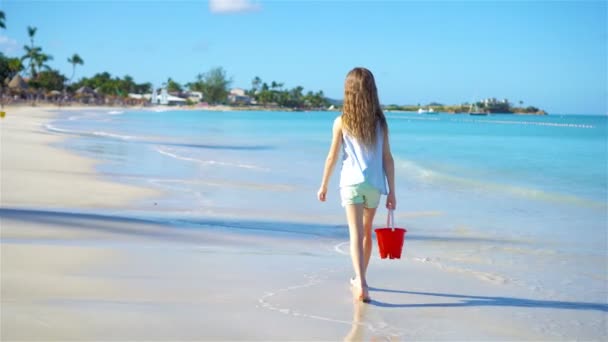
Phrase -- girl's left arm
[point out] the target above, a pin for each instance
(332, 157)
(389, 169)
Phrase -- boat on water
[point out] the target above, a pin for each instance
(474, 110)
(426, 111)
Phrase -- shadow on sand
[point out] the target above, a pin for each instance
(468, 300)
(102, 221)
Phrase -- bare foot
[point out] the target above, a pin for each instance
(364, 296)
(362, 289)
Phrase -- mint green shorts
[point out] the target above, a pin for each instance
(362, 193)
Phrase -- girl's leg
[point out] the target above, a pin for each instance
(368, 221)
(354, 216)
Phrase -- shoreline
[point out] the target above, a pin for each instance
(39, 174)
(227, 108)
(101, 274)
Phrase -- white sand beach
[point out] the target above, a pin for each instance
(75, 265)
(35, 173)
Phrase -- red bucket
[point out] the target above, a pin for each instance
(390, 239)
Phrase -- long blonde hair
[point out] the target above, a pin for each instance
(362, 111)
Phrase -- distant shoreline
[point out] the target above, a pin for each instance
(459, 113)
(226, 108)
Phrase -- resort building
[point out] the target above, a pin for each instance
(194, 96)
(160, 99)
(494, 101)
(237, 95)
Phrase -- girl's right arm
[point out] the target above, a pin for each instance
(332, 157)
(389, 169)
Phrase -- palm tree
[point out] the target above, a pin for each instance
(31, 32)
(75, 59)
(128, 84)
(32, 53)
(41, 60)
(36, 58)
(2, 20)
(296, 96)
(255, 84)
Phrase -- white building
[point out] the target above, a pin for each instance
(163, 99)
(195, 96)
(237, 92)
(237, 95)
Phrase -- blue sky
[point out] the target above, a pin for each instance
(551, 54)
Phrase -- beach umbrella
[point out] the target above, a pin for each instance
(53, 95)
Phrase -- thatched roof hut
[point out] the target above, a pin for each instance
(17, 83)
(85, 91)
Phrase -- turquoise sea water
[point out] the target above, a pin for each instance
(482, 193)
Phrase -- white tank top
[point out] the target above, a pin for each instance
(363, 165)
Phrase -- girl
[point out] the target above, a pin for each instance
(362, 133)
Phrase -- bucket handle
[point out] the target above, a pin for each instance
(390, 219)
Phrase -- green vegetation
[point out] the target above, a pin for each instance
(37, 59)
(48, 80)
(104, 84)
(214, 85)
(9, 67)
(75, 60)
(173, 87)
(486, 106)
(275, 95)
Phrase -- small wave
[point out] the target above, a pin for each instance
(161, 140)
(270, 300)
(226, 184)
(115, 112)
(52, 128)
(485, 276)
(532, 123)
(84, 114)
(414, 168)
(219, 147)
(113, 135)
(339, 249)
(432, 176)
(208, 162)
(413, 118)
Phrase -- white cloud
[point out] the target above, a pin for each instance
(232, 6)
(8, 45)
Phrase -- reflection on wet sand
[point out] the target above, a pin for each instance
(358, 327)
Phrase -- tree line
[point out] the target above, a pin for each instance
(265, 93)
(214, 84)
(496, 107)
